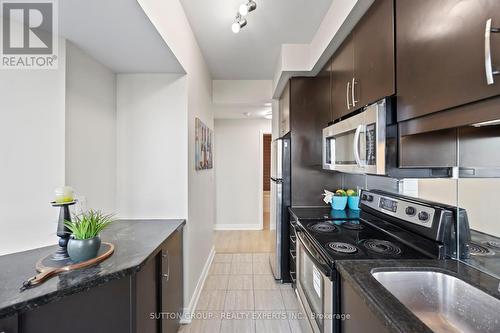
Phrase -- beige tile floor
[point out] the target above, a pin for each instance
(240, 295)
(243, 241)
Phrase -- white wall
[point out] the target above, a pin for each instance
(308, 59)
(152, 146)
(90, 130)
(238, 164)
(32, 155)
(171, 22)
(253, 92)
(241, 99)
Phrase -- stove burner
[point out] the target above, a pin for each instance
(494, 244)
(381, 247)
(322, 227)
(351, 225)
(479, 250)
(340, 247)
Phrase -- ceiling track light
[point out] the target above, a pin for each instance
(247, 7)
(239, 23)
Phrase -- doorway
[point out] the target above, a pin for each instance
(266, 180)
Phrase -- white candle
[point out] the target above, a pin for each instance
(64, 194)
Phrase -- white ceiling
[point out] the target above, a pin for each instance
(241, 111)
(118, 34)
(253, 53)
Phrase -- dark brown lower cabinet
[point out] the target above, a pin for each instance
(104, 309)
(9, 324)
(149, 301)
(171, 283)
(361, 317)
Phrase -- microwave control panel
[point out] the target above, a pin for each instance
(371, 144)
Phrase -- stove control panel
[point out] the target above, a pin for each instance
(400, 208)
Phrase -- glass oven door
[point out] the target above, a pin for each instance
(314, 285)
(311, 284)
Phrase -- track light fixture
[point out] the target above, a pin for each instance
(247, 7)
(239, 23)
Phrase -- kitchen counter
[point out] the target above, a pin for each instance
(392, 313)
(135, 242)
(323, 213)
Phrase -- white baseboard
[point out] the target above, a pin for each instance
(256, 226)
(187, 312)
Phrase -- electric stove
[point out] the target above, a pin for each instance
(387, 226)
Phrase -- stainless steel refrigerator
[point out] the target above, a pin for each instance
(280, 201)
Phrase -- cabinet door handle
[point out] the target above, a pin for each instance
(353, 91)
(167, 274)
(487, 53)
(347, 96)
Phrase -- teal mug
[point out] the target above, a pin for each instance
(339, 203)
(353, 202)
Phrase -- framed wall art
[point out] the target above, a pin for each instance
(204, 146)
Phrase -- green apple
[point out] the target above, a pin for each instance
(340, 193)
(351, 193)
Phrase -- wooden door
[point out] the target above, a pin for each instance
(440, 54)
(374, 72)
(266, 160)
(342, 73)
(172, 281)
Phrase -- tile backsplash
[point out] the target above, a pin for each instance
(479, 196)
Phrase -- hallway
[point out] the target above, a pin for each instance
(241, 295)
(246, 241)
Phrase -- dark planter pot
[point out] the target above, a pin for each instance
(83, 249)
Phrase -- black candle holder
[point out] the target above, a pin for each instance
(62, 231)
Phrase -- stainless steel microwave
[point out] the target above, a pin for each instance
(358, 143)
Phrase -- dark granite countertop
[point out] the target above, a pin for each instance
(395, 316)
(135, 242)
(323, 213)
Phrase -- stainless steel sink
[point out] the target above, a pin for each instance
(443, 302)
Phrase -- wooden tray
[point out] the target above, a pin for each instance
(47, 267)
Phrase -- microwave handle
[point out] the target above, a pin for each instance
(357, 136)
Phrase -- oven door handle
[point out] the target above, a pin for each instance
(320, 263)
(357, 136)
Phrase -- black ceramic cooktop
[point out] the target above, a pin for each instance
(355, 239)
(484, 252)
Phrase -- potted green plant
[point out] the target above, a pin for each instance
(85, 242)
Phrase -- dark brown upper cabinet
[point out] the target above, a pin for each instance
(363, 67)
(374, 54)
(443, 54)
(342, 70)
(284, 111)
(309, 113)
